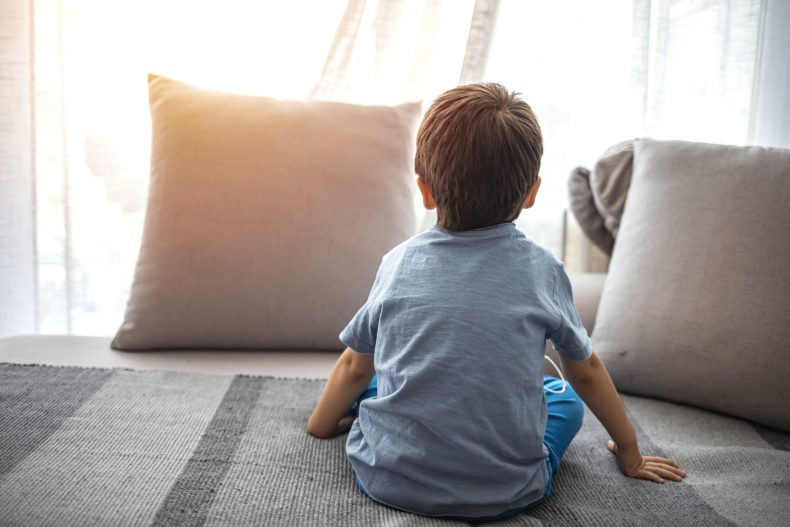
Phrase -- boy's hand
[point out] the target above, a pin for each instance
(592, 382)
(655, 468)
(344, 425)
(351, 374)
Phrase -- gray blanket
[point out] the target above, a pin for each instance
(95, 446)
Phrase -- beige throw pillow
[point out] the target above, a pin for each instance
(695, 304)
(266, 219)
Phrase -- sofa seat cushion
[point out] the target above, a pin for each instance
(95, 352)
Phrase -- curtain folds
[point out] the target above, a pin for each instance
(333, 79)
(390, 51)
(478, 45)
(18, 261)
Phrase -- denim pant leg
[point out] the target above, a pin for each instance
(565, 413)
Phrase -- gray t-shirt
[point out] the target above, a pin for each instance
(457, 323)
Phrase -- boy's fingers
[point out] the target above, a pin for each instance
(646, 474)
(662, 460)
(345, 424)
(668, 474)
(654, 467)
(674, 470)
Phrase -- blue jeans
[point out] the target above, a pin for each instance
(565, 413)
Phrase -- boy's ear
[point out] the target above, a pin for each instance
(532, 194)
(427, 198)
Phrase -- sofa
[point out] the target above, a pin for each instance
(194, 411)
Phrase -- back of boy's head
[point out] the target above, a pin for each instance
(478, 149)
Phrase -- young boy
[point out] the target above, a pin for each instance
(459, 424)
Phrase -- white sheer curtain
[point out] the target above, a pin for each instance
(390, 51)
(602, 71)
(74, 127)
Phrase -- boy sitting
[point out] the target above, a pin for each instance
(456, 422)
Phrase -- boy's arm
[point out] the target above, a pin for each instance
(591, 381)
(349, 378)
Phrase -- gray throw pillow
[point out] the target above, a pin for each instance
(695, 305)
(597, 198)
(266, 219)
(609, 182)
(582, 204)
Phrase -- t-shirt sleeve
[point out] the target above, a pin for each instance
(360, 333)
(569, 338)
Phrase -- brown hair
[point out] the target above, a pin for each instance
(479, 150)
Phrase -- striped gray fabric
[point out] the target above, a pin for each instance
(192, 494)
(31, 412)
(91, 446)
